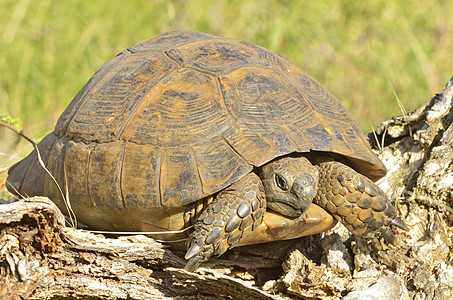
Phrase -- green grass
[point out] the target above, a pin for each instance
(51, 48)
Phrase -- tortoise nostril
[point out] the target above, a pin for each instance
(304, 189)
(298, 188)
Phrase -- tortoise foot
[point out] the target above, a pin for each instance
(356, 201)
(233, 214)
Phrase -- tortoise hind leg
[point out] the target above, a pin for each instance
(233, 214)
(356, 201)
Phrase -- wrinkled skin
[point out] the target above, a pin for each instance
(290, 185)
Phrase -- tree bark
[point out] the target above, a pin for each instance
(42, 258)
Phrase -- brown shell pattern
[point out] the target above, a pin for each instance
(182, 115)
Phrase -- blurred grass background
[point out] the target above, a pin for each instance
(362, 51)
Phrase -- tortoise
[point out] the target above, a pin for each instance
(223, 140)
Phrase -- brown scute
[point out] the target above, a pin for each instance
(77, 164)
(332, 114)
(227, 56)
(179, 182)
(27, 176)
(140, 176)
(56, 167)
(105, 167)
(374, 170)
(250, 146)
(111, 103)
(171, 40)
(218, 165)
(98, 77)
(257, 95)
(183, 109)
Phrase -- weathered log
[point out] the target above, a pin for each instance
(42, 258)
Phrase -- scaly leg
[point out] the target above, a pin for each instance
(233, 214)
(356, 201)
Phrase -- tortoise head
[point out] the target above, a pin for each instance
(290, 185)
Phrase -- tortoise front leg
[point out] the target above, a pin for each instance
(356, 201)
(233, 214)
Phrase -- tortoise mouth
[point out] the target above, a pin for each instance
(287, 209)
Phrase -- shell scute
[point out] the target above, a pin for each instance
(107, 108)
(221, 56)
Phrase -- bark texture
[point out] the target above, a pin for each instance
(42, 258)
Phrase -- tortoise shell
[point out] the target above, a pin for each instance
(183, 115)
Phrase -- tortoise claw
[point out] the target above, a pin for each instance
(193, 251)
(193, 263)
(400, 224)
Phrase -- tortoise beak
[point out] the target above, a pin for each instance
(304, 193)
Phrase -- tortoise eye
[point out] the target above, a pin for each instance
(281, 183)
